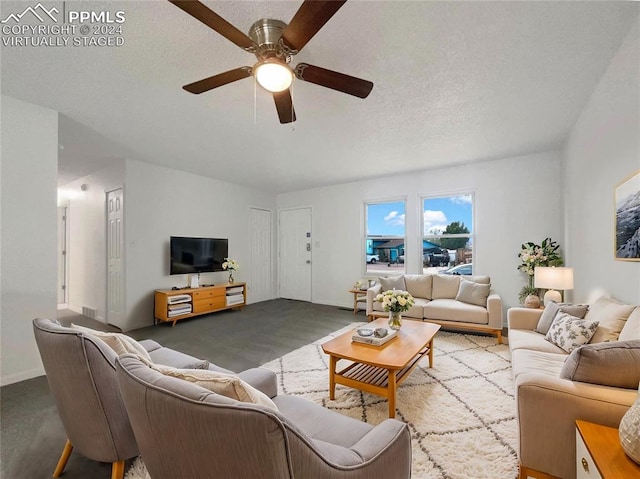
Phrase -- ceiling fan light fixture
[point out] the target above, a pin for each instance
(273, 75)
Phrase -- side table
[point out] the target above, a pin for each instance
(599, 454)
(357, 293)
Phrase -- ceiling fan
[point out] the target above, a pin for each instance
(274, 43)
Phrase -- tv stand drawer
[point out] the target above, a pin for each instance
(208, 293)
(208, 304)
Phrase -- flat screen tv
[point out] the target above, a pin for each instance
(197, 255)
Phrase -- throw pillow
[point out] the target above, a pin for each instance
(419, 285)
(220, 383)
(631, 329)
(568, 332)
(120, 343)
(615, 364)
(473, 293)
(611, 316)
(392, 282)
(199, 364)
(551, 309)
(445, 286)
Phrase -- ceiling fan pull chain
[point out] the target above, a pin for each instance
(255, 100)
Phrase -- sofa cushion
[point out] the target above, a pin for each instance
(614, 363)
(393, 282)
(419, 285)
(321, 423)
(457, 311)
(227, 385)
(417, 310)
(445, 286)
(473, 293)
(631, 329)
(120, 343)
(551, 309)
(611, 316)
(569, 332)
(542, 362)
(527, 339)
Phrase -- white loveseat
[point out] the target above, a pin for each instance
(457, 302)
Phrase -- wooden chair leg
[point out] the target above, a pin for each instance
(64, 457)
(117, 470)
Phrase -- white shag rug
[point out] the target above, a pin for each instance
(461, 412)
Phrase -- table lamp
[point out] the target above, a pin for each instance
(553, 279)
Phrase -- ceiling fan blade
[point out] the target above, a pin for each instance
(334, 80)
(284, 105)
(207, 16)
(218, 80)
(308, 20)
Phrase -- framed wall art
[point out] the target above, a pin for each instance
(627, 218)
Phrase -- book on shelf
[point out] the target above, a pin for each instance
(235, 290)
(179, 298)
(373, 340)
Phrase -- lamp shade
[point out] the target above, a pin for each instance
(553, 278)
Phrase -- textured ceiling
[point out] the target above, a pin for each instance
(455, 82)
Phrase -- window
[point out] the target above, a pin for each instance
(447, 243)
(384, 237)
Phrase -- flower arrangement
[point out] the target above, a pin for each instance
(230, 265)
(532, 255)
(396, 301)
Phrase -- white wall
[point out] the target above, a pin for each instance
(516, 200)
(603, 148)
(87, 237)
(162, 202)
(28, 228)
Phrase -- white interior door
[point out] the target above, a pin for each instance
(115, 259)
(63, 266)
(260, 287)
(294, 233)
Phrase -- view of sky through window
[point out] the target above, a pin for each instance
(386, 219)
(440, 212)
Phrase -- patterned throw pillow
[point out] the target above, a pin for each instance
(568, 332)
(551, 309)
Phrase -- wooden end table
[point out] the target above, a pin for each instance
(599, 454)
(357, 293)
(380, 369)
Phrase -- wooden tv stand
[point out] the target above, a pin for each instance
(197, 301)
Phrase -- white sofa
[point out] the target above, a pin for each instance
(457, 302)
(596, 382)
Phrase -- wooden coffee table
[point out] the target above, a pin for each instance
(380, 369)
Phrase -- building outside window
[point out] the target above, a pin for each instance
(447, 243)
(384, 237)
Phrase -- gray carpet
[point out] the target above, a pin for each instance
(32, 435)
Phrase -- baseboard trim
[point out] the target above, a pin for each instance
(22, 376)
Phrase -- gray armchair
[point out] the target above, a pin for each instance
(82, 378)
(81, 371)
(186, 431)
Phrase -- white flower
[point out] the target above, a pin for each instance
(395, 301)
(230, 264)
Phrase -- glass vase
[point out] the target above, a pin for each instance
(395, 320)
(231, 279)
